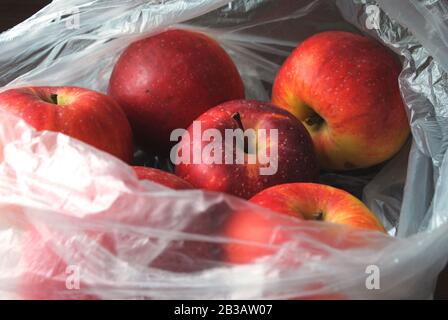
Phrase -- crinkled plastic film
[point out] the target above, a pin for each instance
(79, 198)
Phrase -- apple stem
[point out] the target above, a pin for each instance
(318, 216)
(237, 117)
(54, 98)
(314, 120)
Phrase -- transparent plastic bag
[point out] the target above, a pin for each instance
(131, 239)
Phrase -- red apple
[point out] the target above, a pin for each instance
(83, 114)
(344, 88)
(167, 80)
(253, 235)
(305, 201)
(285, 157)
(161, 177)
(311, 201)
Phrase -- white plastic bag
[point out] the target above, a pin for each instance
(81, 200)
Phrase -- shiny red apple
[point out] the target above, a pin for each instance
(312, 201)
(304, 201)
(344, 88)
(83, 114)
(165, 81)
(281, 151)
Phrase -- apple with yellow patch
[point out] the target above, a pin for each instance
(312, 201)
(344, 88)
(259, 234)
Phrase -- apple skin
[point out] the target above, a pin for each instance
(344, 88)
(265, 233)
(86, 115)
(297, 161)
(303, 201)
(161, 177)
(252, 235)
(312, 201)
(165, 81)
